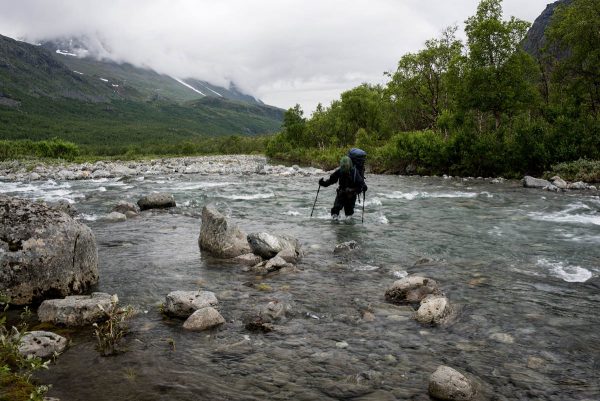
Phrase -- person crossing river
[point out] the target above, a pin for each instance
(351, 184)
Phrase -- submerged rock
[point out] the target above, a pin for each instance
(184, 303)
(75, 310)
(43, 252)
(265, 317)
(42, 344)
(158, 200)
(449, 384)
(219, 237)
(248, 259)
(345, 247)
(531, 182)
(203, 319)
(124, 207)
(411, 289)
(115, 217)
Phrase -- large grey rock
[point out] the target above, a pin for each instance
(411, 289)
(158, 200)
(531, 182)
(184, 303)
(203, 319)
(268, 245)
(271, 265)
(264, 317)
(43, 251)
(559, 182)
(449, 384)
(75, 310)
(42, 344)
(579, 185)
(433, 310)
(219, 237)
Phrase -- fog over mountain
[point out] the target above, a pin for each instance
(281, 51)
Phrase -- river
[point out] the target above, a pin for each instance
(522, 266)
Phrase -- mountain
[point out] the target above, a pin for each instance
(75, 54)
(48, 92)
(535, 39)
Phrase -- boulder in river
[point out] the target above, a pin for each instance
(157, 200)
(203, 319)
(411, 289)
(220, 237)
(558, 182)
(75, 310)
(433, 310)
(268, 245)
(124, 207)
(115, 217)
(578, 186)
(248, 259)
(531, 182)
(43, 344)
(43, 252)
(265, 317)
(449, 384)
(184, 303)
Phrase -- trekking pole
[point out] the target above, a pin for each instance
(362, 219)
(313, 209)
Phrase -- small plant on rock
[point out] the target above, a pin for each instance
(16, 370)
(110, 332)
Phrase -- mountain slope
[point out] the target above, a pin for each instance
(111, 105)
(535, 40)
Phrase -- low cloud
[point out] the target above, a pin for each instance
(282, 51)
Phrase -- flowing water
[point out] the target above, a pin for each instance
(521, 266)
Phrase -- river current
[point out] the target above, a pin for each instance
(522, 267)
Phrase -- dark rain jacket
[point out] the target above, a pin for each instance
(352, 182)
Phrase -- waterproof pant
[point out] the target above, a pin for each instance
(344, 200)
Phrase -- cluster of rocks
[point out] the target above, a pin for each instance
(434, 307)
(262, 252)
(222, 165)
(556, 184)
(127, 210)
(71, 311)
(197, 307)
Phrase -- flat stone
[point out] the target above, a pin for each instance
(248, 259)
(115, 216)
(411, 289)
(531, 182)
(433, 310)
(42, 344)
(158, 200)
(345, 247)
(502, 338)
(75, 310)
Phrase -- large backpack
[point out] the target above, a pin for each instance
(358, 157)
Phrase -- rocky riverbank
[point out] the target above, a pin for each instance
(207, 165)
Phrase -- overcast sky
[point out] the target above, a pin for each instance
(281, 51)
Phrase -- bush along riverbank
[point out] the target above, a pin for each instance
(470, 109)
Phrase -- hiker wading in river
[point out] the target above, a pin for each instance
(352, 184)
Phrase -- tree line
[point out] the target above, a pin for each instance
(480, 107)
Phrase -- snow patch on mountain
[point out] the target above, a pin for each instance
(188, 85)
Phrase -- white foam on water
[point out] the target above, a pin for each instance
(88, 217)
(575, 213)
(101, 189)
(496, 231)
(425, 195)
(383, 220)
(568, 273)
(399, 273)
(204, 185)
(487, 194)
(249, 197)
(99, 180)
(373, 202)
(366, 268)
(291, 213)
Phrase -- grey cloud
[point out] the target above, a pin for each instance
(283, 51)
